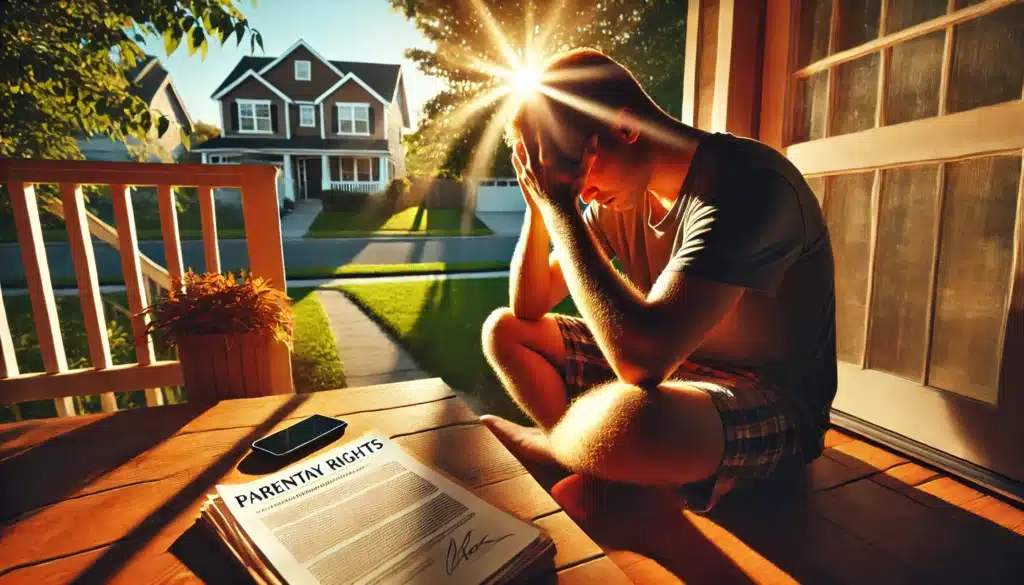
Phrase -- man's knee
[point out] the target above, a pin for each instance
(500, 329)
(648, 435)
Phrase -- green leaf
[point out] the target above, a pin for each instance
(171, 41)
(259, 40)
(162, 125)
(203, 48)
(239, 33)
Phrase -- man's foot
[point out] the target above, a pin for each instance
(526, 443)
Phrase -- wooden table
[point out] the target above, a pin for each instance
(114, 498)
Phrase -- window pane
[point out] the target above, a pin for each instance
(915, 70)
(810, 107)
(362, 114)
(362, 126)
(856, 95)
(262, 110)
(907, 13)
(975, 264)
(263, 124)
(815, 18)
(345, 125)
(903, 268)
(364, 169)
(245, 109)
(347, 169)
(848, 214)
(246, 123)
(987, 67)
(858, 23)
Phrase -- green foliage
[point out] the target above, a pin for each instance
(315, 362)
(64, 66)
(647, 36)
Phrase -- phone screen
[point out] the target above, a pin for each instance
(299, 434)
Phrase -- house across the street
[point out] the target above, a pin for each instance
(151, 82)
(326, 124)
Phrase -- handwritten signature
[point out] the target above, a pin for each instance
(458, 553)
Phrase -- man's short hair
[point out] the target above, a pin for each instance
(590, 77)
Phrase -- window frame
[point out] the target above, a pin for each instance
(312, 115)
(309, 70)
(352, 107)
(255, 117)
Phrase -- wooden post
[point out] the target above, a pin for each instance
(689, 114)
(169, 230)
(80, 244)
(209, 216)
(775, 73)
(737, 67)
(266, 257)
(8, 361)
(131, 268)
(37, 274)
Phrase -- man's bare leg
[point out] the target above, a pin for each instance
(668, 435)
(527, 357)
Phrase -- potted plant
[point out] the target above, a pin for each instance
(223, 329)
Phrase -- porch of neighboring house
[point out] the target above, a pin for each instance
(305, 175)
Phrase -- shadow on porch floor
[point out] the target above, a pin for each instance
(861, 514)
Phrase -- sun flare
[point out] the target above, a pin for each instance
(526, 80)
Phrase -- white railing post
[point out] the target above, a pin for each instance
(208, 213)
(325, 173)
(169, 230)
(8, 361)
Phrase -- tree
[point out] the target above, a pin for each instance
(647, 36)
(63, 66)
(201, 132)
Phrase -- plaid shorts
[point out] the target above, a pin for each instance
(760, 426)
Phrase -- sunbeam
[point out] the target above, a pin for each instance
(494, 31)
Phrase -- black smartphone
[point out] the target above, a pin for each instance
(301, 434)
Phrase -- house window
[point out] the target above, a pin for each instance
(302, 71)
(254, 116)
(354, 119)
(364, 169)
(307, 119)
(348, 169)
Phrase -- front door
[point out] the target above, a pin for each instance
(908, 121)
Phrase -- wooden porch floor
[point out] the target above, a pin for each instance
(862, 515)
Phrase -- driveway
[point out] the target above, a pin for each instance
(298, 254)
(505, 223)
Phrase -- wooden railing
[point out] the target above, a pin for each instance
(360, 186)
(263, 230)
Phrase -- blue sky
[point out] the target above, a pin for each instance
(348, 30)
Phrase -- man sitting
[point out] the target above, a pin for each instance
(712, 360)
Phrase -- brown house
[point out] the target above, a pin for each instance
(328, 124)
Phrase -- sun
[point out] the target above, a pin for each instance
(525, 81)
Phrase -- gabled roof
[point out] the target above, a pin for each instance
(382, 78)
(146, 78)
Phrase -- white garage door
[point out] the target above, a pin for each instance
(499, 195)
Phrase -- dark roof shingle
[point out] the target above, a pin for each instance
(381, 77)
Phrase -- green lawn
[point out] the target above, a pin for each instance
(413, 221)
(355, 270)
(439, 323)
(315, 361)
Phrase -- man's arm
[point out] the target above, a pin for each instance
(536, 283)
(644, 339)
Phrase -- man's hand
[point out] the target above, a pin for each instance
(544, 179)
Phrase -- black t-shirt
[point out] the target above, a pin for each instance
(767, 235)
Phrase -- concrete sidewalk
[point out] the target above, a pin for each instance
(295, 225)
(370, 356)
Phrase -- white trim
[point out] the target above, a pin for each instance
(325, 172)
(351, 77)
(386, 137)
(305, 151)
(398, 83)
(255, 126)
(170, 83)
(401, 113)
(145, 70)
(256, 76)
(307, 102)
(323, 121)
(309, 70)
(287, 122)
(312, 115)
(288, 51)
(289, 184)
(354, 106)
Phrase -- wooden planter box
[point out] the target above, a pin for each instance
(218, 367)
